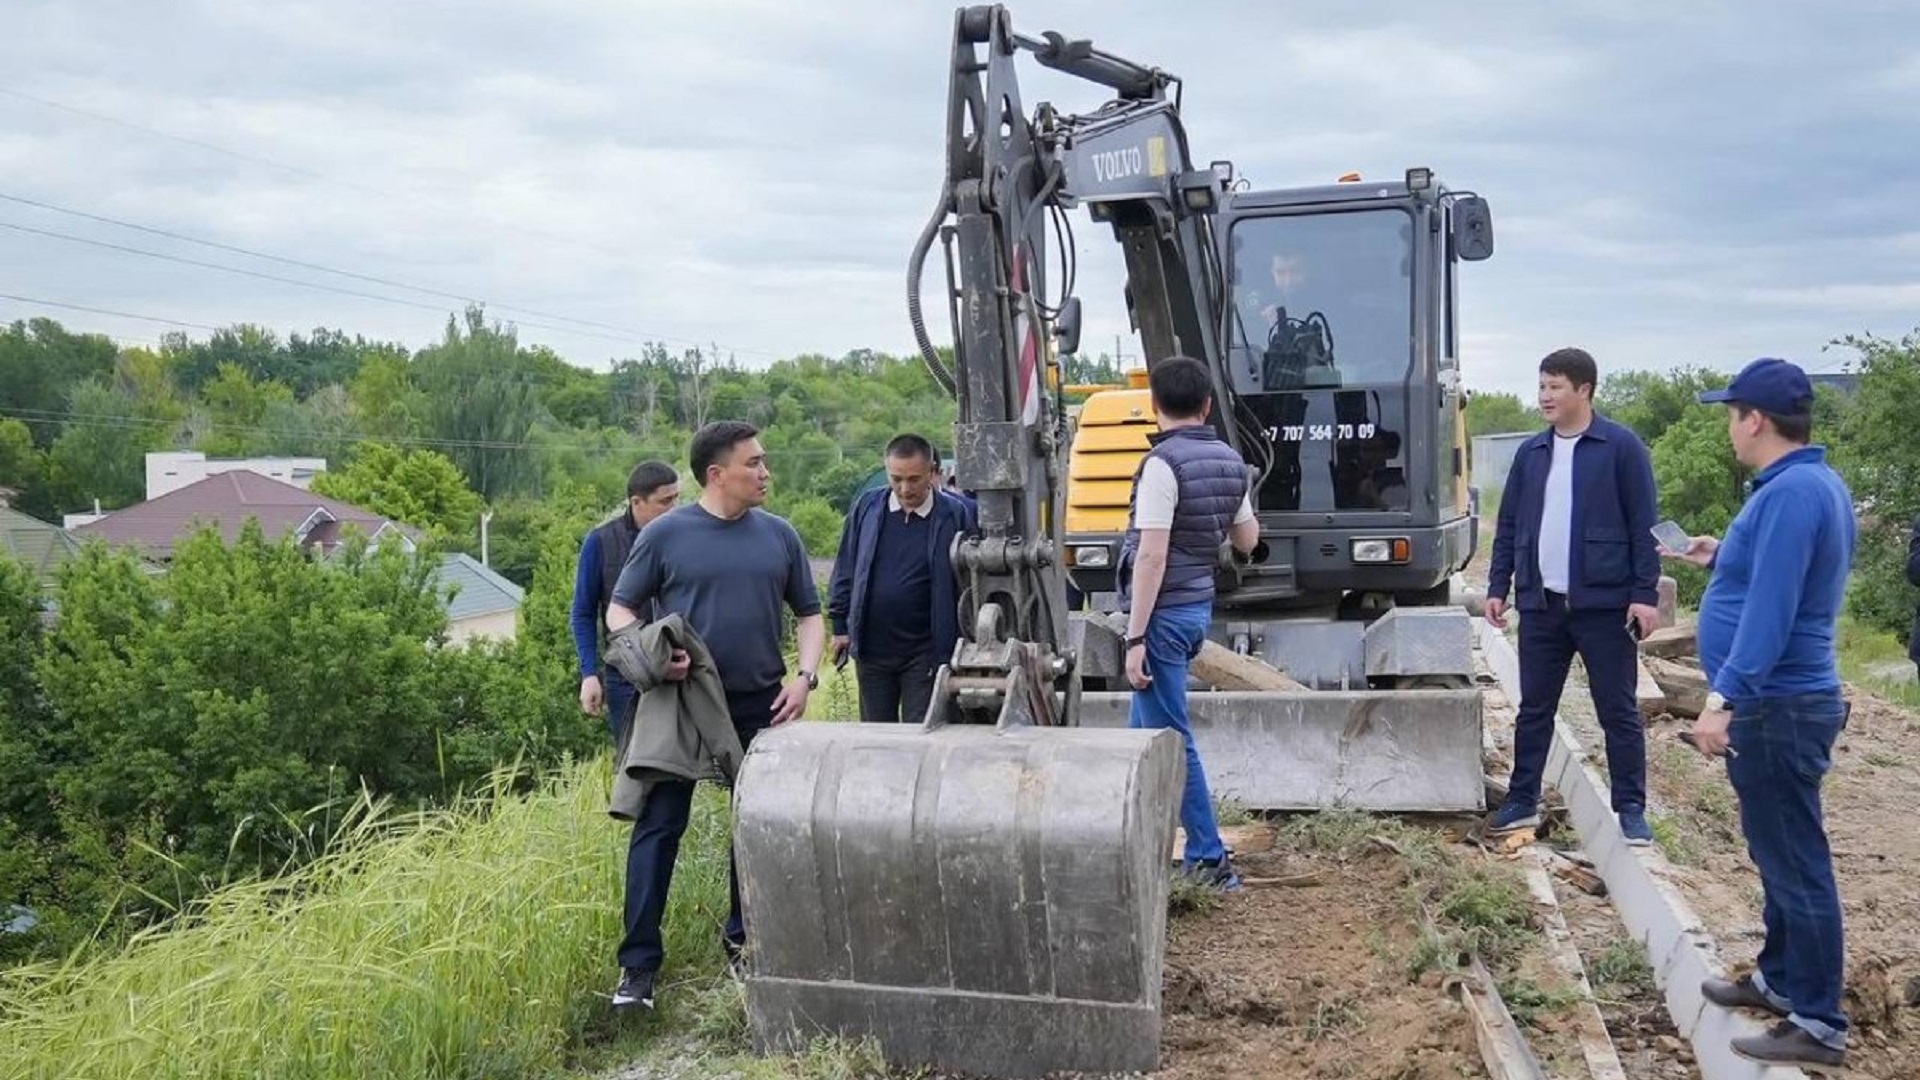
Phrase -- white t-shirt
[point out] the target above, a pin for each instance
(1159, 492)
(1556, 518)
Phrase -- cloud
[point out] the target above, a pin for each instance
(1697, 184)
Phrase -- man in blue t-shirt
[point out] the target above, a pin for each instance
(727, 567)
(1767, 627)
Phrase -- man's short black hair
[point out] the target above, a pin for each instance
(712, 443)
(649, 477)
(1797, 429)
(1180, 387)
(1574, 365)
(909, 445)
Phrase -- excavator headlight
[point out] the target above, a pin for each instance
(1419, 179)
(1091, 556)
(1382, 549)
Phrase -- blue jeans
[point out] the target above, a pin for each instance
(1174, 637)
(1548, 641)
(1782, 748)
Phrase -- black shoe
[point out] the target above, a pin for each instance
(1786, 1043)
(1739, 994)
(636, 988)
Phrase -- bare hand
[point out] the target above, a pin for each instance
(792, 701)
(678, 667)
(1647, 616)
(1496, 610)
(1700, 552)
(590, 695)
(1710, 733)
(1137, 674)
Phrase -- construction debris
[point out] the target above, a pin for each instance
(1671, 642)
(1684, 685)
(1652, 700)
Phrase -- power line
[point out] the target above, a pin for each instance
(371, 279)
(106, 311)
(126, 421)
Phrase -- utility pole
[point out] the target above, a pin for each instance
(485, 517)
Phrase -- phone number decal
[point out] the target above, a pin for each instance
(1320, 432)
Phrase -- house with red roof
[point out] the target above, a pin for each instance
(226, 501)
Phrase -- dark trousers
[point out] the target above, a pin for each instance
(891, 688)
(620, 699)
(1782, 747)
(1548, 641)
(655, 844)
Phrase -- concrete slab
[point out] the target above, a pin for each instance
(1383, 751)
(1680, 950)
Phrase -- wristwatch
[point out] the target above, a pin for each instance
(1716, 703)
(813, 681)
(1132, 641)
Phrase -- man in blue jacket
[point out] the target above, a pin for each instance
(1767, 629)
(894, 599)
(652, 489)
(1574, 545)
(1913, 578)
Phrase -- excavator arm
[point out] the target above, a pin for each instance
(1008, 179)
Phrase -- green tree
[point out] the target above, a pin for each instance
(101, 455)
(1498, 414)
(1700, 482)
(386, 404)
(415, 487)
(22, 465)
(1880, 458)
(1650, 402)
(41, 364)
(237, 406)
(482, 402)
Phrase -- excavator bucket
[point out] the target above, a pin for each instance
(990, 900)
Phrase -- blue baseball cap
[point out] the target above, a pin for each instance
(1773, 386)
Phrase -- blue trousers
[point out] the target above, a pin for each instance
(1174, 637)
(620, 698)
(1782, 748)
(655, 844)
(1548, 641)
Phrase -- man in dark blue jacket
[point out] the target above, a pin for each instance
(1913, 578)
(652, 489)
(1574, 545)
(1768, 625)
(894, 600)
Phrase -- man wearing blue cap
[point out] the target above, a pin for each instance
(1767, 626)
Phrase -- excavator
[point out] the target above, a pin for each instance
(986, 892)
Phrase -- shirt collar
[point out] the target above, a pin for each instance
(925, 510)
(1805, 455)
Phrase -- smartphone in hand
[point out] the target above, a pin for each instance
(1671, 536)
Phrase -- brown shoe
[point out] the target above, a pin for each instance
(1739, 994)
(1786, 1043)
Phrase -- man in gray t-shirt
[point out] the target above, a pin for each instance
(727, 567)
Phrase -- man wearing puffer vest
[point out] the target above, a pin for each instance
(1189, 494)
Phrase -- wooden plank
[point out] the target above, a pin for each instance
(1502, 1047)
(1671, 642)
(1222, 668)
(1684, 685)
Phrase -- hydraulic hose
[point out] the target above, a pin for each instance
(914, 267)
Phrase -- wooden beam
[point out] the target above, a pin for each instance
(1671, 642)
(1684, 685)
(1647, 694)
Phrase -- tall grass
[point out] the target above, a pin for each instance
(476, 941)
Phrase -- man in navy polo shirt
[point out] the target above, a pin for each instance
(894, 602)
(1767, 628)
(1574, 543)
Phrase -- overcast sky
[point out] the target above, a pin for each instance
(1700, 182)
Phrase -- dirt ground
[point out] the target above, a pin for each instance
(1870, 800)
(1309, 982)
